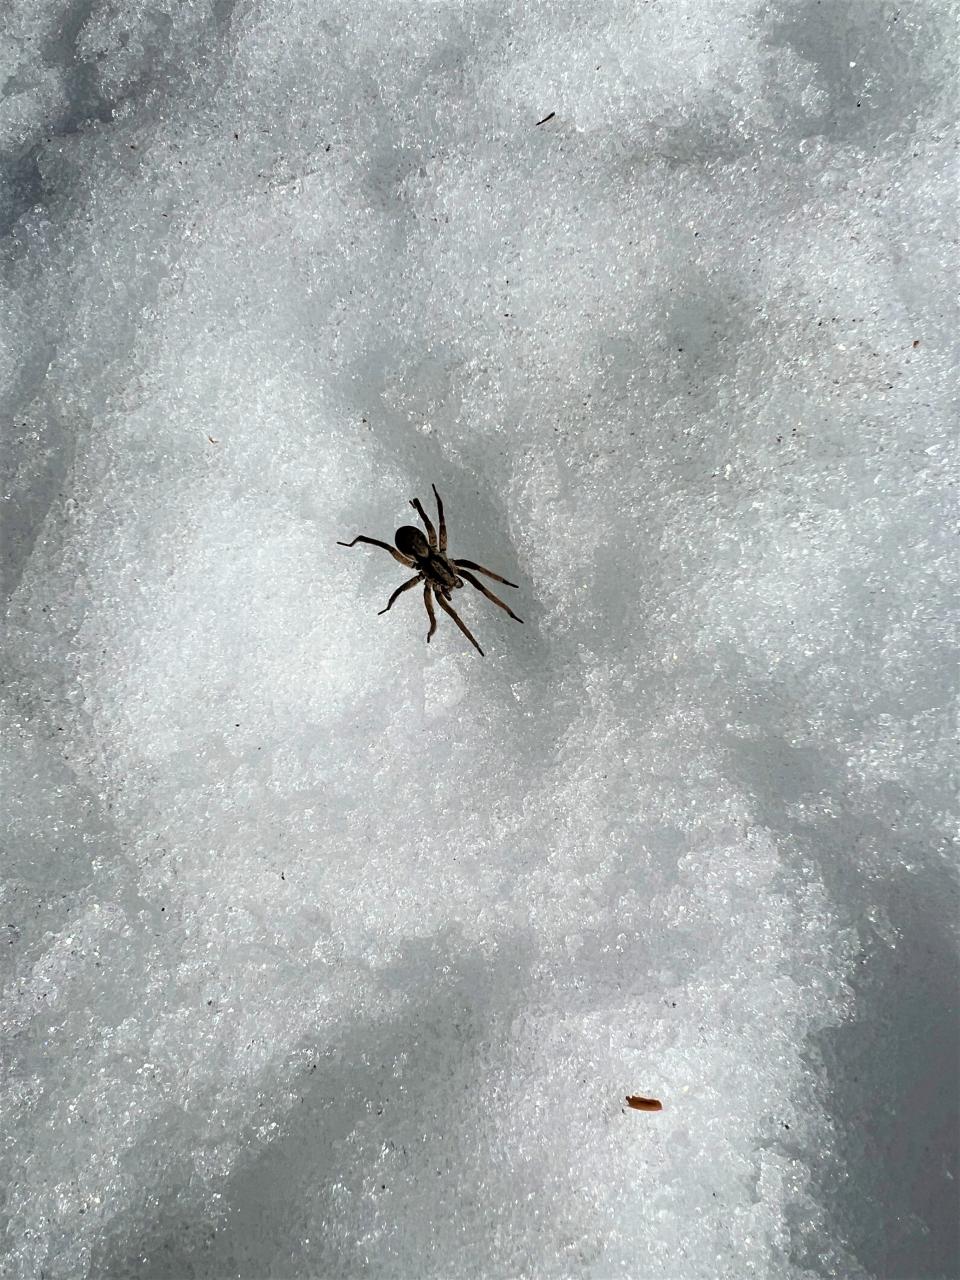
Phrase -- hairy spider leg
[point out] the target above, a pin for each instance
(469, 564)
(428, 601)
(375, 542)
(443, 523)
(448, 608)
(475, 582)
(431, 531)
(410, 582)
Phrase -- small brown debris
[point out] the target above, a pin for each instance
(212, 441)
(644, 1104)
(916, 342)
(545, 119)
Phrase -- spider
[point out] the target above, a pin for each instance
(439, 573)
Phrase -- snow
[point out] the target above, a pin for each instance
(332, 954)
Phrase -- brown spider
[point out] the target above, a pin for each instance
(438, 572)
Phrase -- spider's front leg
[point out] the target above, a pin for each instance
(475, 582)
(448, 608)
(428, 601)
(470, 564)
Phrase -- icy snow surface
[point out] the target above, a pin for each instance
(328, 954)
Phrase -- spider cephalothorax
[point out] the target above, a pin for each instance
(439, 573)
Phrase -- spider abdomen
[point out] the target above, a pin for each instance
(411, 542)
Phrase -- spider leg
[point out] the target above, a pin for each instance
(489, 594)
(431, 531)
(428, 601)
(443, 523)
(448, 608)
(469, 564)
(375, 542)
(410, 582)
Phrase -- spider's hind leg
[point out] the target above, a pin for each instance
(375, 542)
(431, 531)
(443, 523)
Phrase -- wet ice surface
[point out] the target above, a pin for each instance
(331, 954)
